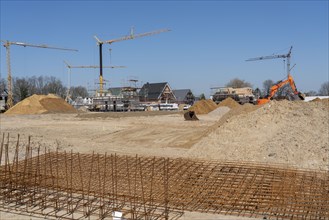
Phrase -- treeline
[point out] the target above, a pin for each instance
(41, 85)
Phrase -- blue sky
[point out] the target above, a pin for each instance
(208, 44)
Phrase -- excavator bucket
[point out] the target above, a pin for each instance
(296, 97)
(190, 116)
(301, 96)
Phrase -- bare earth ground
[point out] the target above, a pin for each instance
(161, 135)
(296, 134)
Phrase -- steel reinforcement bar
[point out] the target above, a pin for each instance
(72, 185)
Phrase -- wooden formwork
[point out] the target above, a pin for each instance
(72, 185)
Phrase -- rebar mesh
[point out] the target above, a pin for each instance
(72, 185)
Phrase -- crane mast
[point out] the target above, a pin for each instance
(10, 101)
(129, 37)
(7, 44)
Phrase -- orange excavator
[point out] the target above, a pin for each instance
(281, 83)
(277, 86)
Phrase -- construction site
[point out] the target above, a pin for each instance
(236, 161)
(153, 151)
(235, 156)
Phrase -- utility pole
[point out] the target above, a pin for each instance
(7, 44)
(129, 37)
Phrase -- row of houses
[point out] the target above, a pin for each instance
(153, 92)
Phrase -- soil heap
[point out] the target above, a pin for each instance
(294, 133)
(41, 104)
(203, 106)
(229, 102)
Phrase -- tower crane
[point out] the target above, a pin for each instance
(7, 45)
(128, 37)
(284, 56)
(274, 88)
(86, 67)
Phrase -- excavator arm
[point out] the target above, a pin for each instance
(277, 86)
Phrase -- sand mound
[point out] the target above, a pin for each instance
(203, 106)
(316, 100)
(40, 104)
(219, 112)
(324, 101)
(280, 131)
(229, 102)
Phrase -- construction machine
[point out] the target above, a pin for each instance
(240, 95)
(279, 85)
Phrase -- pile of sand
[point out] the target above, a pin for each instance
(296, 133)
(203, 106)
(40, 104)
(325, 102)
(229, 102)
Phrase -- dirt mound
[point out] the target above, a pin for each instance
(229, 102)
(40, 104)
(295, 133)
(203, 106)
(325, 102)
(316, 100)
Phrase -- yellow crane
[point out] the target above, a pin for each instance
(7, 44)
(86, 67)
(128, 37)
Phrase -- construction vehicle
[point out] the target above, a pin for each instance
(280, 84)
(190, 116)
(240, 95)
(277, 86)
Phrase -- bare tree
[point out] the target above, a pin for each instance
(33, 85)
(238, 83)
(267, 84)
(324, 89)
(79, 91)
(54, 86)
(20, 89)
(41, 84)
(311, 93)
(3, 85)
(257, 93)
(202, 96)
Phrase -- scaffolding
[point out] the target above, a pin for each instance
(71, 185)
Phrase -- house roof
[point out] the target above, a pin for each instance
(181, 94)
(153, 90)
(115, 91)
